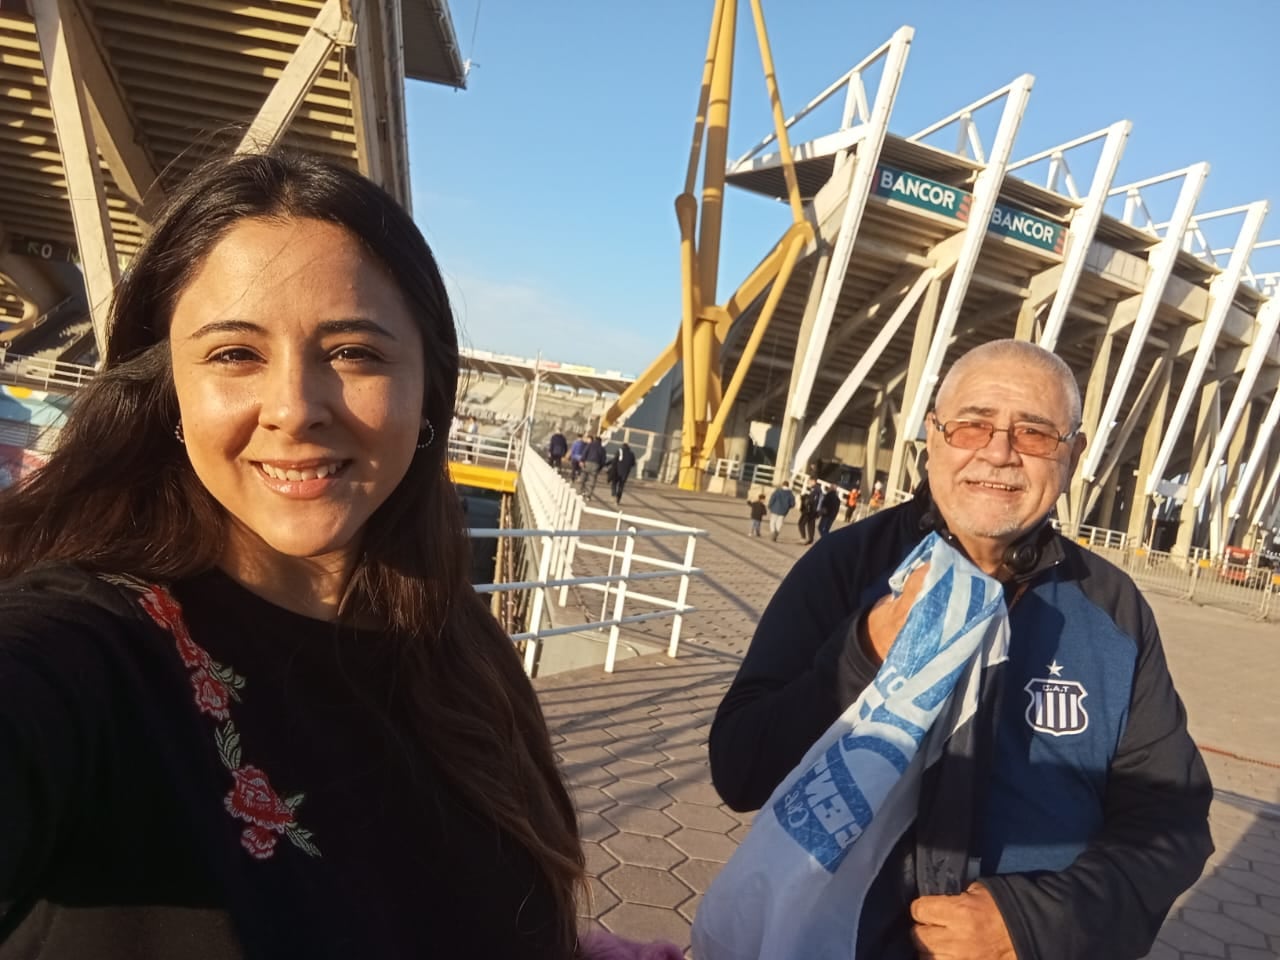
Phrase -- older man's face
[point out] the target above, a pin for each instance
(993, 495)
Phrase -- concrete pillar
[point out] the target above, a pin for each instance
(1139, 509)
(1208, 420)
(1094, 396)
(792, 428)
(879, 421)
(71, 120)
(1221, 496)
(903, 446)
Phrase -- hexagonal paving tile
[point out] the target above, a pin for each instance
(657, 888)
(688, 791)
(640, 753)
(592, 799)
(703, 845)
(638, 794)
(593, 776)
(650, 823)
(635, 732)
(683, 749)
(639, 922)
(643, 772)
(643, 851)
(592, 826)
(701, 817)
(599, 860)
(586, 736)
(599, 899)
(580, 755)
(698, 874)
(689, 909)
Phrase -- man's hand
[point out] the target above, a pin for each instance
(885, 619)
(964, 927)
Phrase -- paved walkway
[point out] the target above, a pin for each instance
(633, 746)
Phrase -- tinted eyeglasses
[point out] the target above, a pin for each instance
(1035, 440)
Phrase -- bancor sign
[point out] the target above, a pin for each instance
(952, 202)
(923, 193)
(1015, 223)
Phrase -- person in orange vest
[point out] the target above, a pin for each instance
(851, 503)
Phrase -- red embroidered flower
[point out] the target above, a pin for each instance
(212, 695)
(252, 799)
(164, 610)
(259, 841)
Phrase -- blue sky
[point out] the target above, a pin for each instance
(546, 188)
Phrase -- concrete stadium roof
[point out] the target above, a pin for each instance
(573, 375)
(166, 82)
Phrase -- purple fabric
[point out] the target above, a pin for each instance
(602, 945)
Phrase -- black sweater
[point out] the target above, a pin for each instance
(251, 800)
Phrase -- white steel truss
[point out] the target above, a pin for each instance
(1160, 262)
(1084, 222)
(1222, 291)
(1263, 338)
(986, 190)
(895, 54)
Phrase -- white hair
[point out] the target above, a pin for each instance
(1050, 363)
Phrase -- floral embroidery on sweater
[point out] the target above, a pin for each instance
(251, 798)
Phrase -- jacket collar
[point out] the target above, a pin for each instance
(924, 516)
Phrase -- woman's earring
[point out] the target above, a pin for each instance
(431, 435)
(178, 434)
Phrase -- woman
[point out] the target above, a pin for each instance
(249, 704)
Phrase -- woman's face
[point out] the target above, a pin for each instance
(300, 382)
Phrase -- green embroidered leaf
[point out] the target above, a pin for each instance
(227, 676)
(228, 740)
(293, 802)
(301, 838)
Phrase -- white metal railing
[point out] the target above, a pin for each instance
(734, 468)
(1088, 536)
(40, 372)
(565, 555)
(487, 449)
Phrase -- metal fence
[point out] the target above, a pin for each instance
(40, 373)
(611, 559)
(1251, 590)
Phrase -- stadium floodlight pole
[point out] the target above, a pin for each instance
(713, 109)
(1263, 336)
(1084, 222)
(855, 205)
(986, 190)
(799, 236)
(1222, 292)
(1160, 266)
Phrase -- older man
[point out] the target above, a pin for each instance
(1079, 811)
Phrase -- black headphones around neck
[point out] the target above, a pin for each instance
(1019, 557)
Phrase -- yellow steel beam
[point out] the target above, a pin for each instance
(798, 236)
(700, 263)
(642, 384)
(779, 118)
(700, 118)
(750, 288)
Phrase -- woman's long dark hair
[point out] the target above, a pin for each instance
(119, 495)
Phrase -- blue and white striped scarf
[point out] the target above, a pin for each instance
(795, 887)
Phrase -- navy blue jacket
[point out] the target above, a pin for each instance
(1083, 804)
